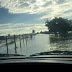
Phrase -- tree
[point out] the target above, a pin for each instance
(59, 25)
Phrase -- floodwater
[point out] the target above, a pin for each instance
(39, 43)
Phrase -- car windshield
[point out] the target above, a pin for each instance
(35, 27)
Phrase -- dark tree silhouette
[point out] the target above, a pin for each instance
(59, 25)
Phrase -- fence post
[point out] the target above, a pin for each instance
(23, 38)
(15, 44)
(20, 40)
(7, 44)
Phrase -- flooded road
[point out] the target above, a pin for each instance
(38, 43)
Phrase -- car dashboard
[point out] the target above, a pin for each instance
(48, 60)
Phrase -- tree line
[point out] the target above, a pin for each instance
(59, 26)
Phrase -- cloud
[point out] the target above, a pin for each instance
(47, 3)
(61, 1)
(59, 9)
(18, 6)
(37, 6)
(12, 29)
(6, 17)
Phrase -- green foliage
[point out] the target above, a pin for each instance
(59, 25)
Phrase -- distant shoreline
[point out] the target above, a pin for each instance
(47, 32)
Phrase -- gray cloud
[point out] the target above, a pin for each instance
(61, 1)
(24, 5)
(33, 1)
(47, 3)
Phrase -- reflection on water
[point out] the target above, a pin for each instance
(46, 43)
(40, 43)
(61, 43)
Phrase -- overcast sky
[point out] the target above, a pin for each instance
(22, 16)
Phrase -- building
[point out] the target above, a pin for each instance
(33, 31)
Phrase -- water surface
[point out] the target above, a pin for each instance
(39, 43)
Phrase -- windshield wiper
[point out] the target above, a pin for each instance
(53, 53)
(11, 56)
(6, 55)
(43, 54)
